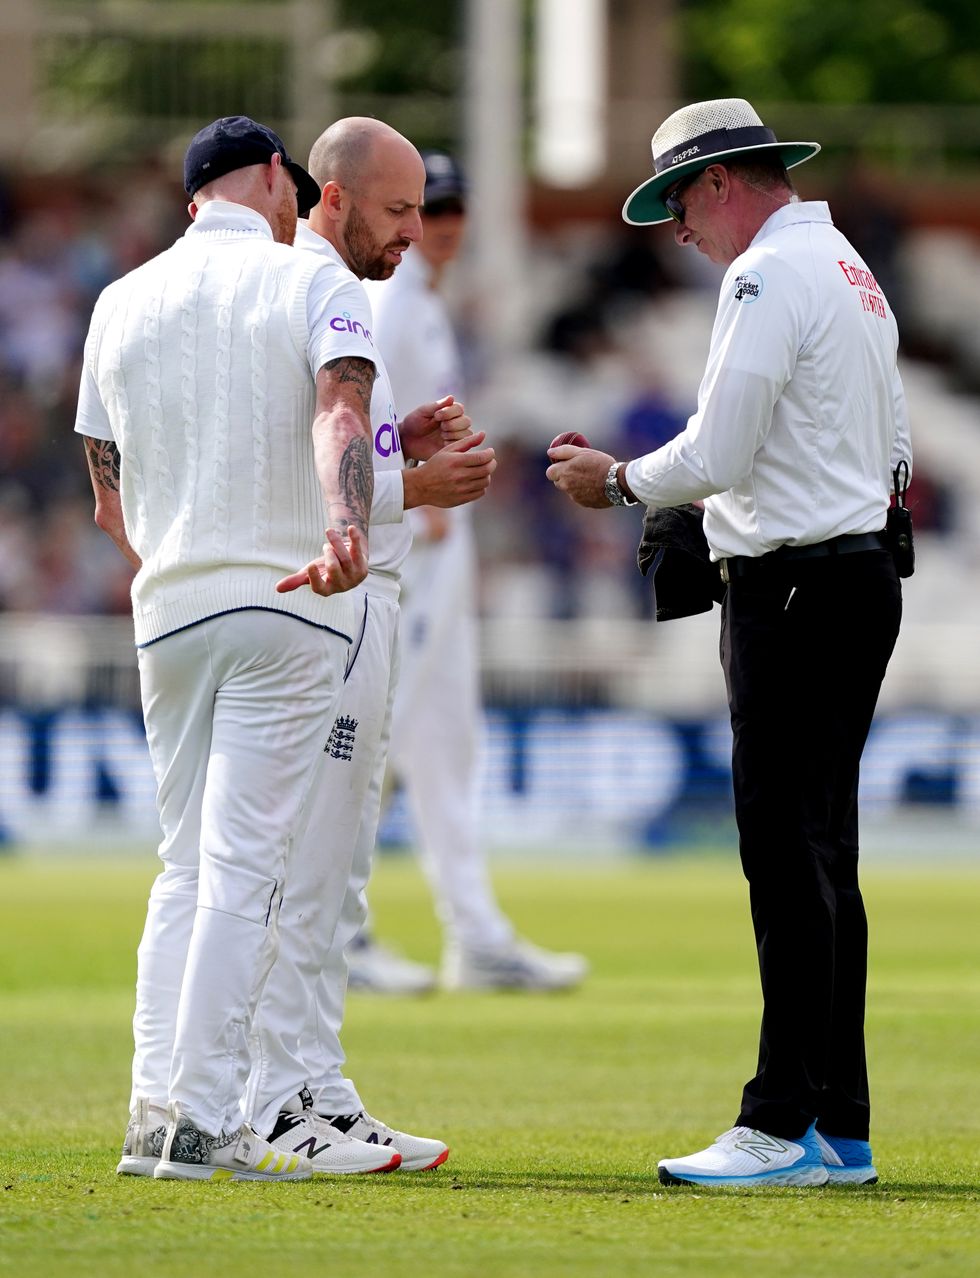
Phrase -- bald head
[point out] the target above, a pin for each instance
(351, 151)
(372, 181)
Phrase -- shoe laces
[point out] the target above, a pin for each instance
(381, 1128)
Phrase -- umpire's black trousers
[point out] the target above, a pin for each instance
(804, 646)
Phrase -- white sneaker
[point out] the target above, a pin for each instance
(743, 1156)
(517, 965)
(143, 1145)
(190, 1154)
(418, 1153)
(375, 969)
(332, 1152)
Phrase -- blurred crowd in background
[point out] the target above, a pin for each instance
(620, 324)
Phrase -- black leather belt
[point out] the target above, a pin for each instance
(847, 544)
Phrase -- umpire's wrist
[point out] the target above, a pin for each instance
(617, 490)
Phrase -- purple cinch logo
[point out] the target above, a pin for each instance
(386, 438)
(344, 324)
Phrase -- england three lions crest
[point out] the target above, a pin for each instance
(340, 743)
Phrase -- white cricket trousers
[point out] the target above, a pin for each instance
(436, 733)
(296, 1033)
(238, 710)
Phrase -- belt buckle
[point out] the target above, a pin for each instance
(723, 569)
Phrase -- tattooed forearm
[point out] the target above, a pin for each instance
(358, 373)
(356, 486)
(103, 462)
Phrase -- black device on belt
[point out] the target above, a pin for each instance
(898, 526)
(846, 544)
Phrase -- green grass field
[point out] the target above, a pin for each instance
(556, 1108)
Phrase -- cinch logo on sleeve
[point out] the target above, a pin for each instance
(748, 287)
(869, 290)
(344, 324)
(386, 438)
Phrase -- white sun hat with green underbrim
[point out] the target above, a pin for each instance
(699, 135)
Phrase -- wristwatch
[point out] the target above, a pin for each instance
(614, 494)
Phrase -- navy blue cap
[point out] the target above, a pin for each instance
(235, 142)
(443, 178)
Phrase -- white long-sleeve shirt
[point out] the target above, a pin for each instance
(801, 414)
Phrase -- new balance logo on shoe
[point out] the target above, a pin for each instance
(309, 1148)
(761, 1146)
(374, 1140)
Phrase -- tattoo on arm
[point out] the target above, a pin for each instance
(356, 484)
(103, 461)
(359, 373)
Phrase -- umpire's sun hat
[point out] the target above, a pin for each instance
(698, 135)
(235, 142)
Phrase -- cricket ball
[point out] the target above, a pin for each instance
(571, 437)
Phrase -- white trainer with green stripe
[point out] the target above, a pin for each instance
(190, 1154)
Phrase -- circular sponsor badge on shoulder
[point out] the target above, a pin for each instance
(748, 286)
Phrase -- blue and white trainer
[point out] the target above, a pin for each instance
(743, 1156)
(848, 1162)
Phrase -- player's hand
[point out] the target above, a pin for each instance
(342, 566)
(580, 473)
(431, 426)
(455, 475)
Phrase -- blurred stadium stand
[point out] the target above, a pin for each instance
(604, 729)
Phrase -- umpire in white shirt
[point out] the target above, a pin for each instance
(800, 422)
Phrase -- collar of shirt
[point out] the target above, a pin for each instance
(793, 214)
(307, 238)
(222, 216)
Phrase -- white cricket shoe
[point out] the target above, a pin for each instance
(374, 968)
(743, 1156)
(143, 1144)
(190, 1154)
(516, 965)
(418, 1153)
(332, 1152)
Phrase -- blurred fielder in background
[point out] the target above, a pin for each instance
(801, 422)
(436, 727)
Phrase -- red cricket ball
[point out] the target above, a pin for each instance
(571, 437)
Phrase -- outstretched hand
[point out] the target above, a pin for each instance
(430, 427)
(342, 566)
(453, 476)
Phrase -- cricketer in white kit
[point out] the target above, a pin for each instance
(197, 400)
(437, 722)
(295, 1072)
(437, 716)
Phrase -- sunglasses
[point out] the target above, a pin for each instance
(672, 202)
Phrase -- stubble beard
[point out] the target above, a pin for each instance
(365, 256)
